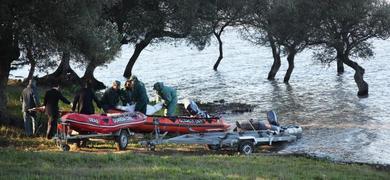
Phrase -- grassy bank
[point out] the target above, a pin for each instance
(37, 158)
(27, 165)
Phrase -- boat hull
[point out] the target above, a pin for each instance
(181, 125)
(104, 124)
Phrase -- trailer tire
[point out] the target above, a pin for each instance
(82, 143)
(65, 147)
(246, 147)
(122, 140)
(213, 147)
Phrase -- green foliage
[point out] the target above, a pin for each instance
(348, 26)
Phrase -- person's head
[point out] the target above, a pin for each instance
(133, 78)
(116, 85)
(128, 84)
(158, 86)
(55, 85)
(32, 83)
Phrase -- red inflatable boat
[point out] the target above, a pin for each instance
(181, 124)
(178, 124)
(103, 124)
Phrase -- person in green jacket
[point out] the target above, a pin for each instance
(168, 94)
(139, 95)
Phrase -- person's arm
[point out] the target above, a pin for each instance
(63, 99)
(75, 102)
(167, 96)
(96, 100)
(36, 98)
(123, 97)
(45, 99)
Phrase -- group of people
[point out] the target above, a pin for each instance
(134, 92)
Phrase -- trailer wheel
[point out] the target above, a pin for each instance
(82, 143)
(65, 147)
(246, 147)
(122, 140)
(213, 147)
(152, 147)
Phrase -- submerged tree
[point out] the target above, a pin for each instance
(293, 28)
(225, 13)
(257, 29)
(146, 21)
(345, 31)
(285, 26)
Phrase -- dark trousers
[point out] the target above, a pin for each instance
(52, 125)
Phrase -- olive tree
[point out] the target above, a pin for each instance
(346, 30)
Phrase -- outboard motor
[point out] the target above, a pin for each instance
(193, 109)
(272, 118)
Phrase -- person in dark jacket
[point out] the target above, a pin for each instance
(169, 96)
(128, 92)
(50, 101)
(29, 99)
(139, 95)
(112, 96)
(83, 101)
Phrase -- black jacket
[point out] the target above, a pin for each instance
(50, 101)
(83, 101)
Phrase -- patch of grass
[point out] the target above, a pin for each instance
(27, 165)
(37, 158)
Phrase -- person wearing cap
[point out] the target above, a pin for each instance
(139, 95)
(112, 96)
(83, 101)
(168, 95)
(29, 99)
(50, 101)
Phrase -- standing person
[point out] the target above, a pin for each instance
(50, 101)
(83, 101)
(139, 95)
(112, 96)
(169, 97)
(29, 99)
(128, 92)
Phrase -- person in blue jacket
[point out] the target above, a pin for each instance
(168, 95)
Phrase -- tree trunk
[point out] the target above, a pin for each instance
(32, 64)
(88, 76)
(290, 59)
(138, 49)
(359, 72)
(218, 36)
(340, 64)
(5, 67)
(277, 62)
(9, 51)
(64, 74)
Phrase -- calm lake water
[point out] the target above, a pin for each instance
(337, 124)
